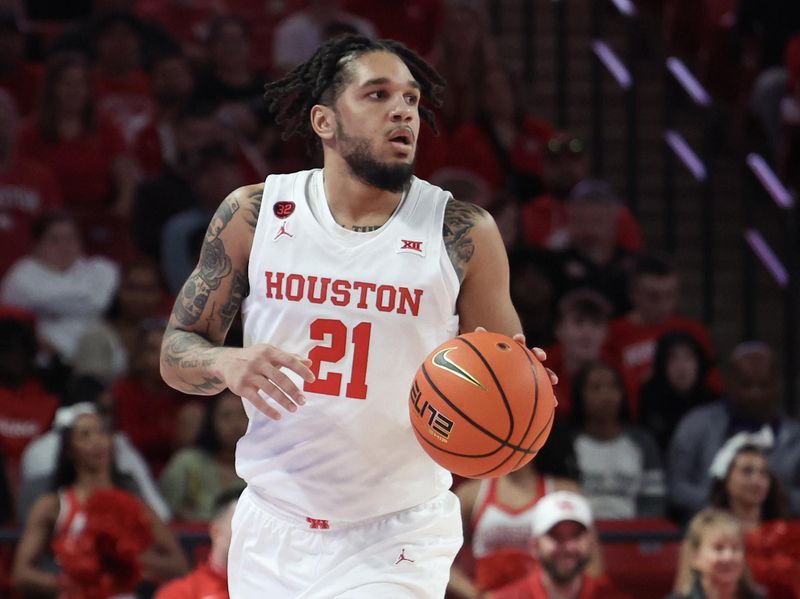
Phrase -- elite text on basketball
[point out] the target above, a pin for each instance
(341, 292)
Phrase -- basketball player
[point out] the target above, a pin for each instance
(347, 276)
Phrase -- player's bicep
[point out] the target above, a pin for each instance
(213, 293)
(485, 298)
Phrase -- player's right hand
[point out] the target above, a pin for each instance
(257, 368)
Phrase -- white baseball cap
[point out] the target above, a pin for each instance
(560, 506)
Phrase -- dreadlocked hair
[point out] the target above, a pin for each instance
(322, 78)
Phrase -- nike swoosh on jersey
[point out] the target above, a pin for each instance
(441, 360)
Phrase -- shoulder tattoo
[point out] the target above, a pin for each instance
(254, 205)
(459, 219)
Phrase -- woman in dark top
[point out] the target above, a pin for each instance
(676, 385)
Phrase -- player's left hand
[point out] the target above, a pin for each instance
(540, 354)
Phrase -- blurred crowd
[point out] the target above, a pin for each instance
(124, 123)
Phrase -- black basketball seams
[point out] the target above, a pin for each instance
(488, 433)
(518, 452)
(461, 413)
(496, 383)
(423, 435)
(530, 420)
(535, 405)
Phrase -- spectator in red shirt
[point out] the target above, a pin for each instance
(86, 153)
(504, 144)
(27, 190)
(26, 409)
(18, 77)
(654, 291)
(171, 86)
(563, 544)
(544, 218)
(157, 419)
(414, 23)
(121, 84)
(209, 580)
(581, 328)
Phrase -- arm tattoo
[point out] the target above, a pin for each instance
(254, 206)
(209, 386)
(239, 291)
(185, 350)
(191, 351)
(213, 267)
(459, 218)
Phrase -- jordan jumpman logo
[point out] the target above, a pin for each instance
(282, 231)
(403, 557)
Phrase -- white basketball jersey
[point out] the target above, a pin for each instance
(367, 308)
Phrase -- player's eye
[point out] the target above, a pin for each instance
(412, 99)
(378, 94)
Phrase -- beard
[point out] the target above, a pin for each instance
(561, 576)
(367, 169)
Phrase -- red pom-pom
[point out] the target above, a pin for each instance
(103, 559)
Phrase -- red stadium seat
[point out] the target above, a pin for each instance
(644, 569)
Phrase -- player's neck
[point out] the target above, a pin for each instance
(353, 202)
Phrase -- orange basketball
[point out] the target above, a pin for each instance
(481, 405)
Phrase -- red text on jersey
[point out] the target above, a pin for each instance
(341, 292)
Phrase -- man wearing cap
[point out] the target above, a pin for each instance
(563, 541)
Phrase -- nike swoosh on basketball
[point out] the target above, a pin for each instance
(441, 360)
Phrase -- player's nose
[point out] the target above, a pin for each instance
(401, 112)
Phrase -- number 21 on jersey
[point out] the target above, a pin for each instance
(332, 384)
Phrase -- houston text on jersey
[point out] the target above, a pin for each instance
(341, 292)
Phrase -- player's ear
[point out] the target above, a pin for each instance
(323, 121)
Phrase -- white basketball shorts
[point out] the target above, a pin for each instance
(404, 554)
